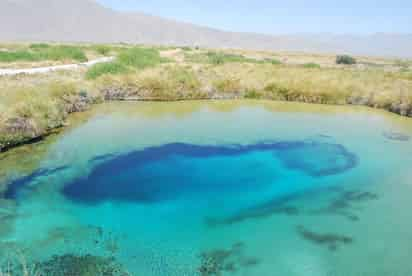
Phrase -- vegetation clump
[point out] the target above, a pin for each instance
(102, 49)
(311, 65)
(133, 58)
(220, 261)
(140, 58)
(87, 265)
(40, 52)
(219, 58)
(331, 240)
(101, 69)
(345, 59)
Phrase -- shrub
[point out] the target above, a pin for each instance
(345, 59)
(100, 69)
(186, 48)
(219, 58)
(62, 53)
(102, 49)
(273, 61)
(39, 46)
(311, 65)
(253, 94)
(140, 58)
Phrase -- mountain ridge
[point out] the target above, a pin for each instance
(89, 21)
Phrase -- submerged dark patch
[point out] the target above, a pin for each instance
(220, 261)
(344, 204)
(396, 136)
(278, 206)
(14, 186)
(331, 240)
(83, 265)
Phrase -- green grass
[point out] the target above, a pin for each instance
(140, 58)
(101, 69)
(103, 50)
(39, 46)
(253, 94)
(41, 52)
(219, 58)
(311, 65)
(20, 55)
(134, 58)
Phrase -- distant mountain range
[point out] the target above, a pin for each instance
(88, 21)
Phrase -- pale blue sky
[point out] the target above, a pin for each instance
(280, 17)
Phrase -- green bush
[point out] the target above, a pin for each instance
(39, 46)
(253, 94)
(311, 65)
(140, 58)
(62, 53)
(273, 61)
(345, 59)
(219, 58)
(100, 69)
(102, 49)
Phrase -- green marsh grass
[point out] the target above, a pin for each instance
(133, 58)
(41, 52)
(219, 58)
(100, 69)
(311, 65)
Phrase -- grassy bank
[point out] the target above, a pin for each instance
(33, 106)
(40, 52)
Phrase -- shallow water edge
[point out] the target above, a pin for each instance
(21, 138)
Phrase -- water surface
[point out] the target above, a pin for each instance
(217, 188)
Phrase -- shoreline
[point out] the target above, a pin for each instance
(21, 141)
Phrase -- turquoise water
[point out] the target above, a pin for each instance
(216, 188)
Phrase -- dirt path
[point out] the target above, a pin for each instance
(42, 70)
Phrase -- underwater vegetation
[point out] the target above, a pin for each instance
(343, 205)
(331, 240)
(220, 261)
(396, 136)
(274, 207)
(86, 265)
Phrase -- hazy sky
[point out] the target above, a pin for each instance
(286, 16)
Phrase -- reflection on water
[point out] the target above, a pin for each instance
(212, 188)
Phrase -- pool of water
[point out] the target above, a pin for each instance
(214, 188)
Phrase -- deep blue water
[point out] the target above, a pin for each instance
(166, 172)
